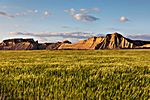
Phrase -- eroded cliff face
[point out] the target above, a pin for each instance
(115, 41)
(29, 44)
(110, 41)
(88, 44)
(19, 44)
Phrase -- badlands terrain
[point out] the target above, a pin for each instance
(110, 41)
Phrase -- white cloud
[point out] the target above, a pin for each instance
(24, 13)
(46, 13)
(85, 17)
(83, 14)
(123, 19)
(82, 10)
(32, 12)
(79, 35)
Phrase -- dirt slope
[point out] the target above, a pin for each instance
(82, 44)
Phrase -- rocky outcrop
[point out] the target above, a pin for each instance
(26, 46)
(19, 44)
(88, 44)
(117, 41)
(53, 46)
(29, 44)
(110, 41)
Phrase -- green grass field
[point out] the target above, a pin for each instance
(78, 75)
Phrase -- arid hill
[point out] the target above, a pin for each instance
(88, 44)
(19, 44)
(110, 41)
(117, 41)
(29, 44)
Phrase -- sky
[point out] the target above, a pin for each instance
(57, 20)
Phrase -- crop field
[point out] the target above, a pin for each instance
(75, 74)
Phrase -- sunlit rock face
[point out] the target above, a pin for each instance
(88, 44)
(29, 44)
(117, 41)
(110, 41)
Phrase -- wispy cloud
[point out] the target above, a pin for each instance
(85, 17)
(71, 11)
(95, 9)
(83, 14)
(25, 13)
(69, 27)
(79, 35)
(2, 13)
(140, 36)
(32, 11)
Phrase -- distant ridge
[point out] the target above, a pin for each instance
(110, 41)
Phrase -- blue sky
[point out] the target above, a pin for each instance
(56, 20)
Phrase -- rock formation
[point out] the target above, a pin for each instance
(82, 44)
(52, 46)
(29, 44)
(117, 41)
(19, 44)
(110, 41)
